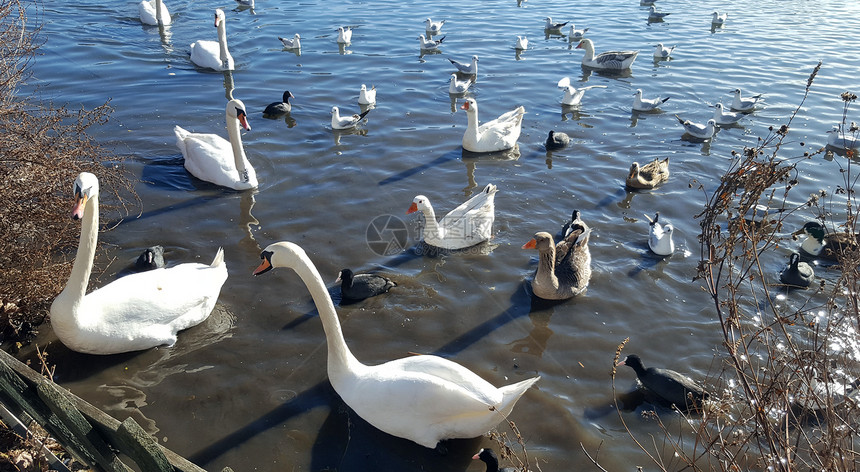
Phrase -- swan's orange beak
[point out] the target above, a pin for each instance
(263, 267)
(579, 46)
(531, 244)
(464, 106)
(412, 208)
(243, 120)
(80, 204)
(216, 20)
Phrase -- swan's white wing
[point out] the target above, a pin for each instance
(208, 157)
(207, 54)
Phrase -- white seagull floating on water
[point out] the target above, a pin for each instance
(344, 35)
(724, 117)
(719, 18)
(522, 43)
(345, 122)
(429, 43)
(744, 104)
(654, 15)
(843, 140)
(576, 34)
(573, 95)
(291, 43)
(698, 130)
(458, 86)
(470, 69)
(660, 236)
(367, 96)
(662, 52)
(646, 104)
(550, 26)
(433, 27)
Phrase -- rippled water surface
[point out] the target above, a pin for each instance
(248, 388)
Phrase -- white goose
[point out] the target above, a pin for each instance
(214, 159)
(424, 399)
(135, 312)
(214, 54)
(496, 135)
(456, 85)
(617, 60)
(467, 225)
(154, 12)
(573, 95)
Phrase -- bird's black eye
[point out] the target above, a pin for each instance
(240, 112)
(267, 255)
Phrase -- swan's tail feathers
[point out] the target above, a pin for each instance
(219, 258)
(511, 393)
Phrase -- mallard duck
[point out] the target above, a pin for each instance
(135, 312)
(564, 270)
(361, 286)
(469, 224)
(557, 140)
(820, 244)
(648, 176)
(660, 236)
(489, 457)
(673, 387)
(421, 398)
(797, 274)
(616, 60)
(496, 135)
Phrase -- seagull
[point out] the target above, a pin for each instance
(573, 95)
(719, 18)
(470, 69)
(744, 104)
(429, 43)
(842, 140)
(660, 236)
(662, 52)
(293, 43)
(646, 104)
(247, 3)
(698, 130)
(365, 96)
(433, 27)
(522, 43)
(724, 117)
(550, 26)
(345, 122)
(654, 15)
(576, 34)
(344, 35)
(458, 86)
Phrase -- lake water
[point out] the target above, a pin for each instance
(248, 388)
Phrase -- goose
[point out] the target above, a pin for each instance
(428, 44)
(422, 398)
(214, 159)
(572, 95)
(135, 312)
(522, 43)
(698, 130)
(660, 236)
(456, 85)
(151, 258)
(280, 108)
(842, 140)
(361, 286)
(556, 140)
(367, 96)
(662, 52)
(719, 18)
(648, 176)
(576, 34)
(345, 122)
(214, 54)
(654, 15)
(488, 456)
(496, 135)
(572, 224)
(154, 12)
(552, 26)
(820, 244)
(797, 274)
(344, 35)
(672, 387)
(617, 60)
(469, 224)
(646, 104)
(564, 270)
(292, 43)
(468, 69)
(433, 27)
(740, 103)
(722, 117)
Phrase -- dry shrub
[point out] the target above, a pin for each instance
(42, 149)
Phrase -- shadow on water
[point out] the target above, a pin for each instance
(450, 156)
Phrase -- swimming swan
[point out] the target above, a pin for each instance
(214, 54)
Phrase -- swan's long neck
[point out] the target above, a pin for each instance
(76, 287)
(243, 167)
(158, 18)
(340, 359)
(222, 42)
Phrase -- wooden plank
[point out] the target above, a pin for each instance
(134, 442)
(83, 431)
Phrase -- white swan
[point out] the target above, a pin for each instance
(212, 158)
(135, 312)
(469, 224)
(154, 12)
(617, 60)
(214, 54)
(496, 135)
(421, 398)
